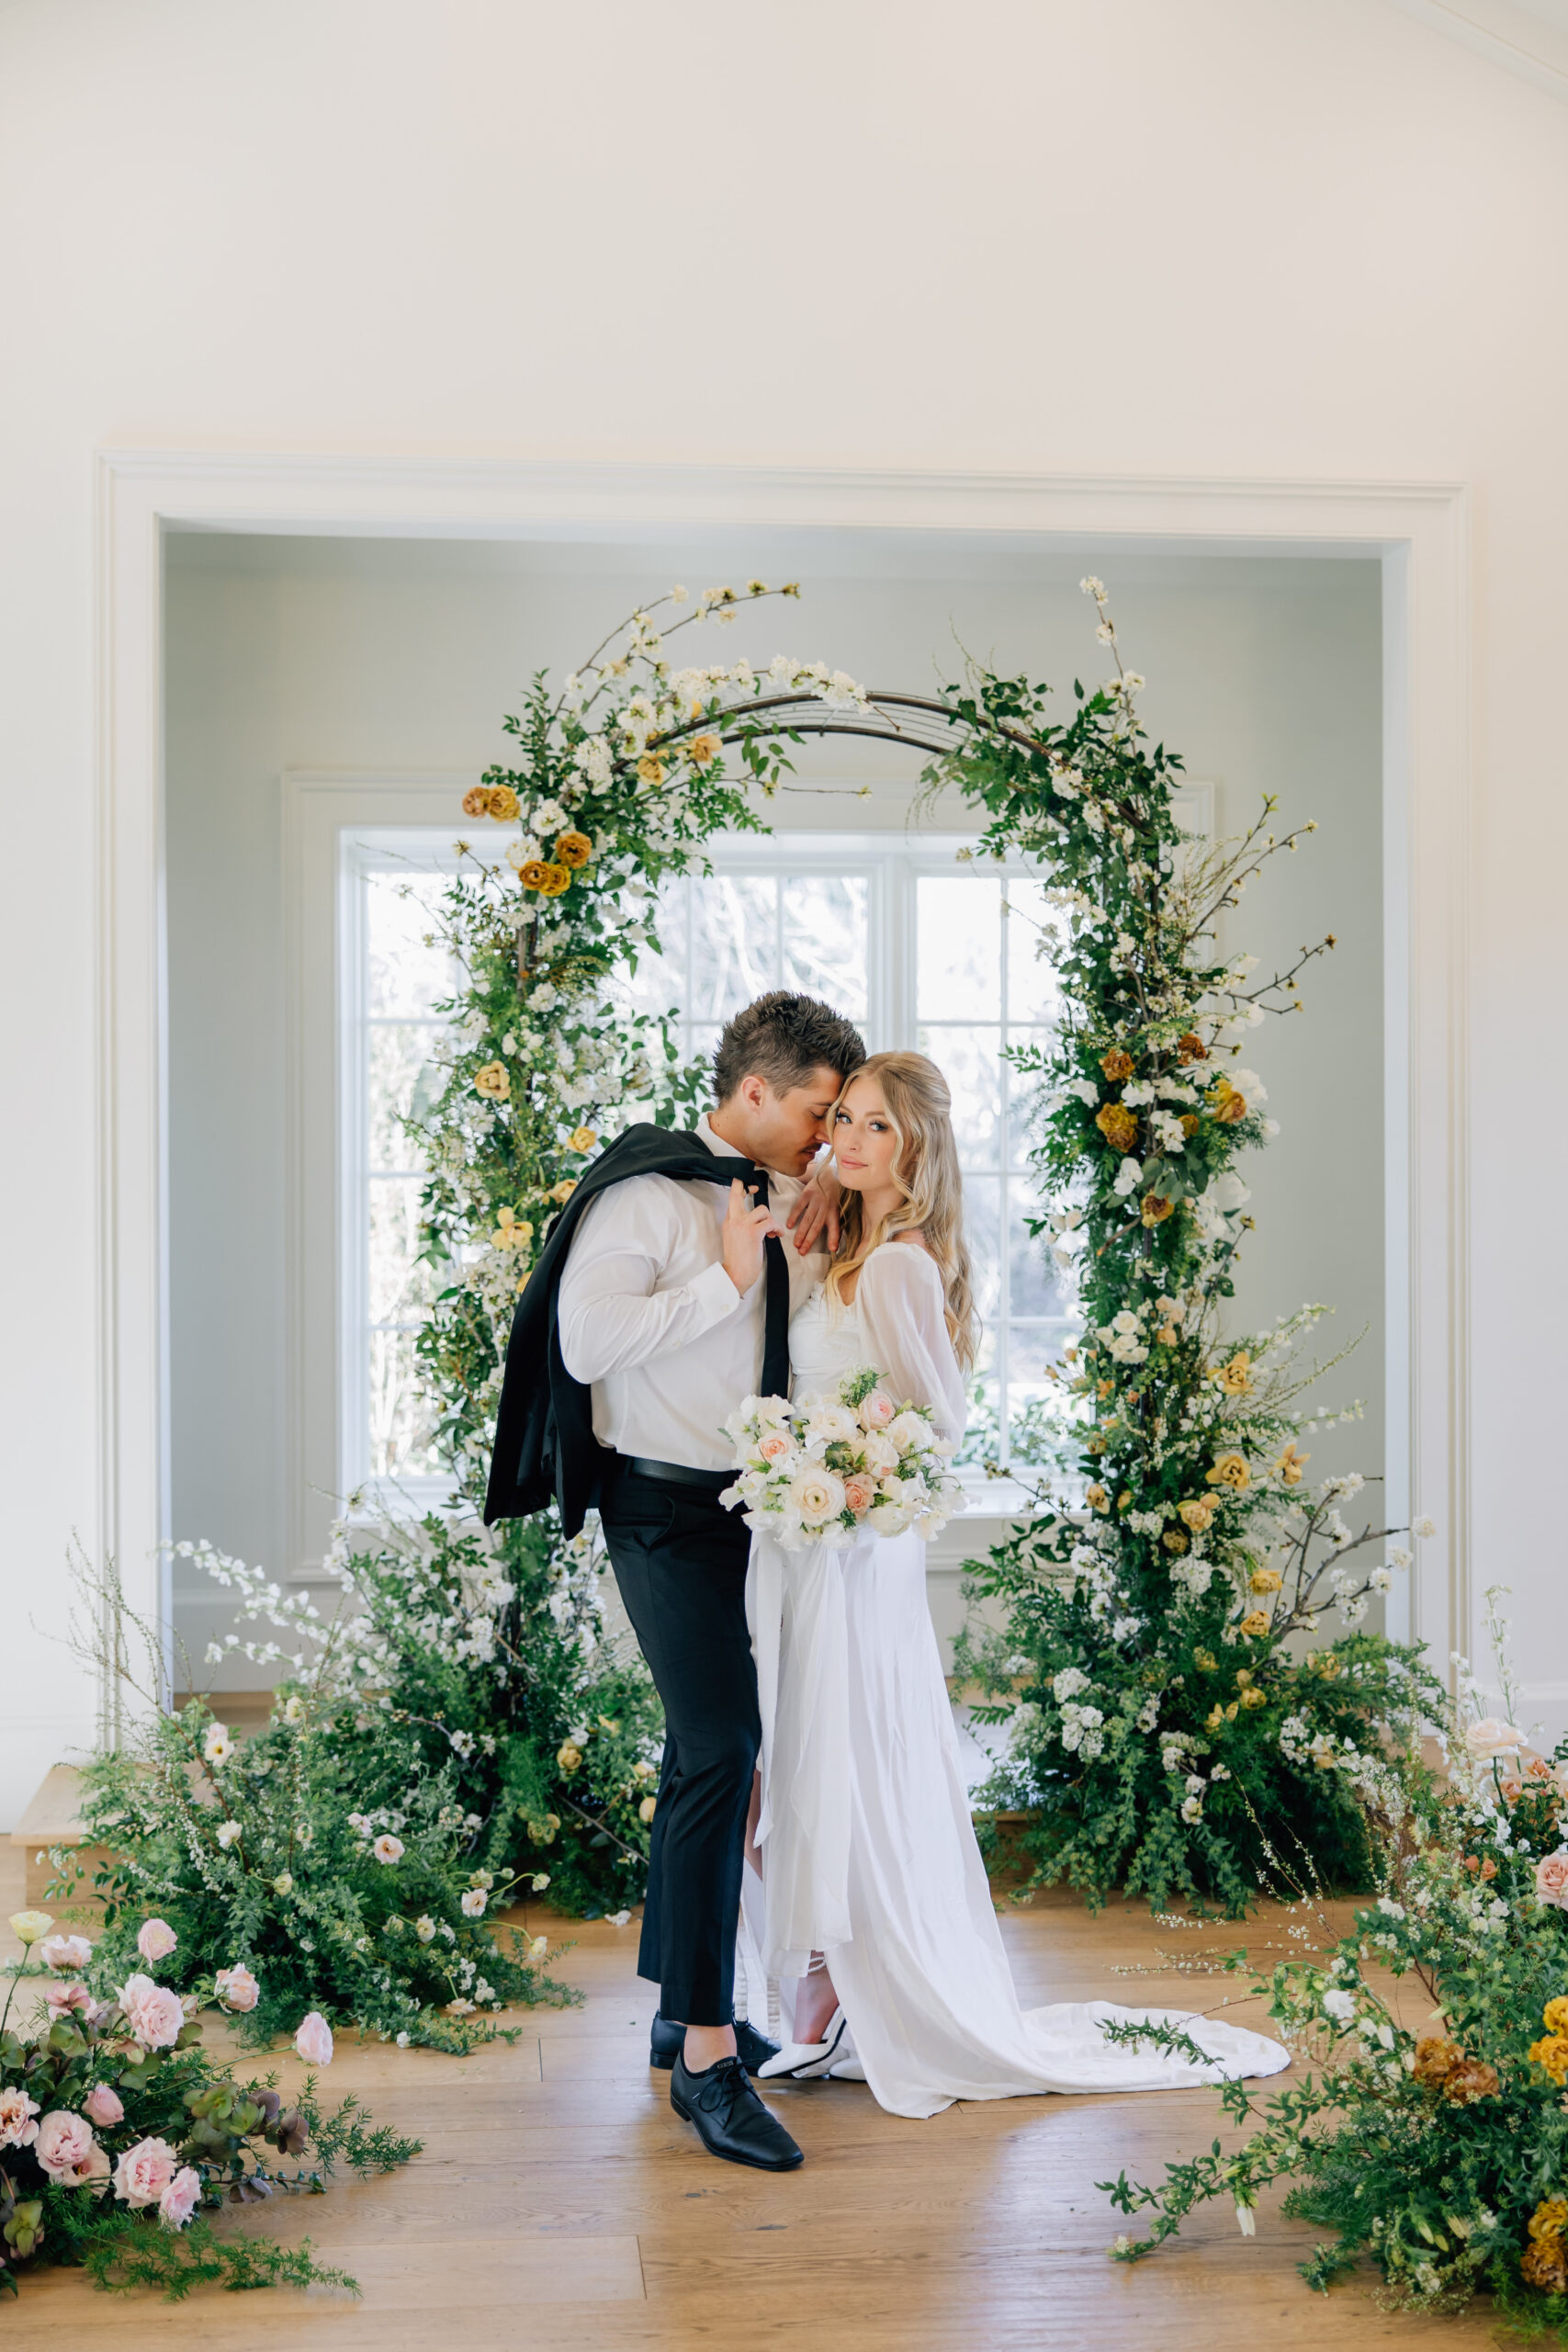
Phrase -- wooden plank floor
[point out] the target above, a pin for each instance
(561, 2207)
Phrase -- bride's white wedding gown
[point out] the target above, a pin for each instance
(868, 1850)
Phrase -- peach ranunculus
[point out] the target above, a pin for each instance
(145, 2171)
(875, 1409)
(1491, 1737)
(66, 1953)
(18, 2129)
(182, 2195)
(314, 2040)
(155, 1939)
(65, 2145)
(154, 2014)
(1551, 1878)
(236, 1987)
(860, 1492)
(775, 1446)
(103, 2106)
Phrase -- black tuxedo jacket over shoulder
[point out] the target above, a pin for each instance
(544, 1447)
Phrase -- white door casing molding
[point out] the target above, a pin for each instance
(1419, 529)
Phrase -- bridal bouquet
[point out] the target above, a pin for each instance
(823, 1469)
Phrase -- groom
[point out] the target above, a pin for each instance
(653, 1311)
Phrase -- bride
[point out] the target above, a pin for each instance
(876, 1915)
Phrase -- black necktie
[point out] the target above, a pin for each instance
(776, 1324)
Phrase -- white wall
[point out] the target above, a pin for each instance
(1313, 239)
(366, 656)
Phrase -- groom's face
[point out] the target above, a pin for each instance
(786, 1130)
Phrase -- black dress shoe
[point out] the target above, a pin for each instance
(754, 2048)
(732, 2121)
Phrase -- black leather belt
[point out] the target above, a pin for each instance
(679, 1474)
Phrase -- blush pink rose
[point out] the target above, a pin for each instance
(774, 1448)
(1551, 1878)
(155, 1939)
(66, 1953)
(860, 1492)
(178, 2202)
(18, 2129)
(65, 2145)
(154, 2014)
(1491, 1737)
(314, 2040)
(68, 2000)
(144, 2172)
(876, 1409)
(103, 2106)
(236, 1987)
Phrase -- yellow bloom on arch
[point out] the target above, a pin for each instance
(703, 750)
(1255, 1624)
(1554, 2017)
(1265, 1580)
(650, 769)
(564, 1190)
(583, 1138)
(533, 873)
(1290, 1465)
(494, 1083)
(573, 850)
(557, 878)
(503, 804)
(1236, 1377)
(1097, 1499)
(1231, 1470)
(1552, 2053)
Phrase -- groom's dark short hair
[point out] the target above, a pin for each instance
(784, 1038)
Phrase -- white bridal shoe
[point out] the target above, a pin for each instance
(805, 2062)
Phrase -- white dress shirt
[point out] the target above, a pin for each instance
(652, 1322)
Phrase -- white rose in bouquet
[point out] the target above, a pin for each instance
(911, 1431)
(879, 1451)
(818, 1495)
(831, 1424)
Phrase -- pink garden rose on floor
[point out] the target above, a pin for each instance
(155, 1939)
(1551, 1878)
(104, 2107)
(154, 2014)
(66, 1953)
(18, 2129)
(179, 2200)
(236, 1987)
(66, 2146)
(145, 2171)
(314, 2040)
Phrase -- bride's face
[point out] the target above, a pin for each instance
(865, 1141)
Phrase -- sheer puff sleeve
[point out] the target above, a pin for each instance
(899, 1303)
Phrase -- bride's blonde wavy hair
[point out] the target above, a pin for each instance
(925, 1172)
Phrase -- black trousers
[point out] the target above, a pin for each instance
(679, 1560)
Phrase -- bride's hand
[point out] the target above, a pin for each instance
(814, 1220)
(746, 1228)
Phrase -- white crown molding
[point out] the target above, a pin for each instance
(1420, 531)
(1532, 43)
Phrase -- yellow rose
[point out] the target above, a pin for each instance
(1254, 1697)
(1550, 2218)
(1231, 1470)
(1155, 1208)
(1226, 1104)
(1117, 1065)
(583, 1138)
(1205, 1661)
(1117, 1126)
(1192, 1048)
(648, 1808)
(1552, 2053)
(1168, 1335)
(1215, 1719)
(1174, 1540)
(568, 1756)
(1554, 2017)
(1236, 1377)
(1124, 1501)
(573, 850)
(1255, 1624)
(556, 879)
(703, 750)
(1265, 1580)
(476, 800)
(1198, 1514)
(28, 1927)
(511, 1232)
(503, 804)
(1289, 1467)
(564, 1190)
(650, 769)
(1097, 1499)
(493, 1081)
(533, 872)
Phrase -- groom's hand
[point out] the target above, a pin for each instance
(814, 1220)
(746, 1228)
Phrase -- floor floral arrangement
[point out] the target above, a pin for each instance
(119, 2134)
(1438, 2148)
